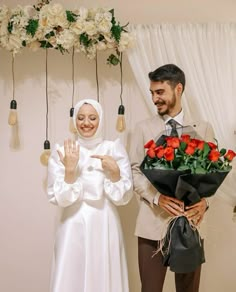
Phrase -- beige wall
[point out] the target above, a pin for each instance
(27, 220)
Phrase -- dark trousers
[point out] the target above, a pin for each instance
(153, 272)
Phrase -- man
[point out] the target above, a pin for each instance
(166, 86)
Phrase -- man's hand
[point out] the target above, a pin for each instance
(172, 206)
(195, 213)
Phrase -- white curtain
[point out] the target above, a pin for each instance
(207, 55)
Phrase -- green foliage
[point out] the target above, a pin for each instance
(71, 17)
(32, 27)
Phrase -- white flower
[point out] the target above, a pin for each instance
(78, 27)
(53, 15)
(126, 41)
(30, 11)
(14, 43)
(104, 26)
(90, 28)
(34, 46)
(83, 13)
(91, 52)
(110, 41)
(66, 39)
(101, 46)
(4, 13)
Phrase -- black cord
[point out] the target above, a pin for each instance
(73, 77)
(96, 59)
(121, 79)
(13, 77)
(46, 94)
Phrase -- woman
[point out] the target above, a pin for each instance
(89, 178)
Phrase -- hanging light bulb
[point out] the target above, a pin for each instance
(72, 128)
(120, 123)
(234, 214)
(46, 153)
(12, 118)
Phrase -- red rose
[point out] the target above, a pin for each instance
(195, 142)
(150, 144)
(230, 155)
(151, 152)
(214, 155)
(169, 153)
(173, 142)
(185, 138)
(200, 145)
(159, 151)
(190, 150)
(212, 145)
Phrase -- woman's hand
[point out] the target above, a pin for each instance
(70, 159)
(109, 166)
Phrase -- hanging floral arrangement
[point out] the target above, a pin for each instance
(48, 25)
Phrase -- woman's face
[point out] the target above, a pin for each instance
(87, 120)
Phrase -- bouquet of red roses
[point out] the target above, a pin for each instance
(188, 169)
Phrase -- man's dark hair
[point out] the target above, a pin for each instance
(170, 73)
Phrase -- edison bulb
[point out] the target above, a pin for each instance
(120, 123)
(44, 157)
(72, 128)
(12, 118)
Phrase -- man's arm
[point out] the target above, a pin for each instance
(142, 186)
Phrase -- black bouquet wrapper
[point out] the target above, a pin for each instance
(185, 249)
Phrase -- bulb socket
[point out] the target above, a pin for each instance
(71, 112)
(13, 104)
(121, 110)
(46, 145)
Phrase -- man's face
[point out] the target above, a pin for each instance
(165, 98)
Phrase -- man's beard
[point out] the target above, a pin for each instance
(170, 105)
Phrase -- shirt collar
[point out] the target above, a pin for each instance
(179, 118)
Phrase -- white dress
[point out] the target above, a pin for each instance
(89, 254)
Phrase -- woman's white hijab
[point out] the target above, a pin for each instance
(90, 142)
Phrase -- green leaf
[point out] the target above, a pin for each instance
(183, 167)
(10, 26)
(45, 44)
(32, 27)
(113, 60)
(50, 34)
(84, 39)
(116, 30)
(222, 151)
(206, 150)
(183, 146)
(200, 170)
(71, 17)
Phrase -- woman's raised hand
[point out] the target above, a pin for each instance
(70, 159)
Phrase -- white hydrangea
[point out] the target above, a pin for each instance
(126, 41)
(90, 28)
(53, 15)
(66, 39)
(78, 27)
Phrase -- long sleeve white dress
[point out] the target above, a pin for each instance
(89, 254)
